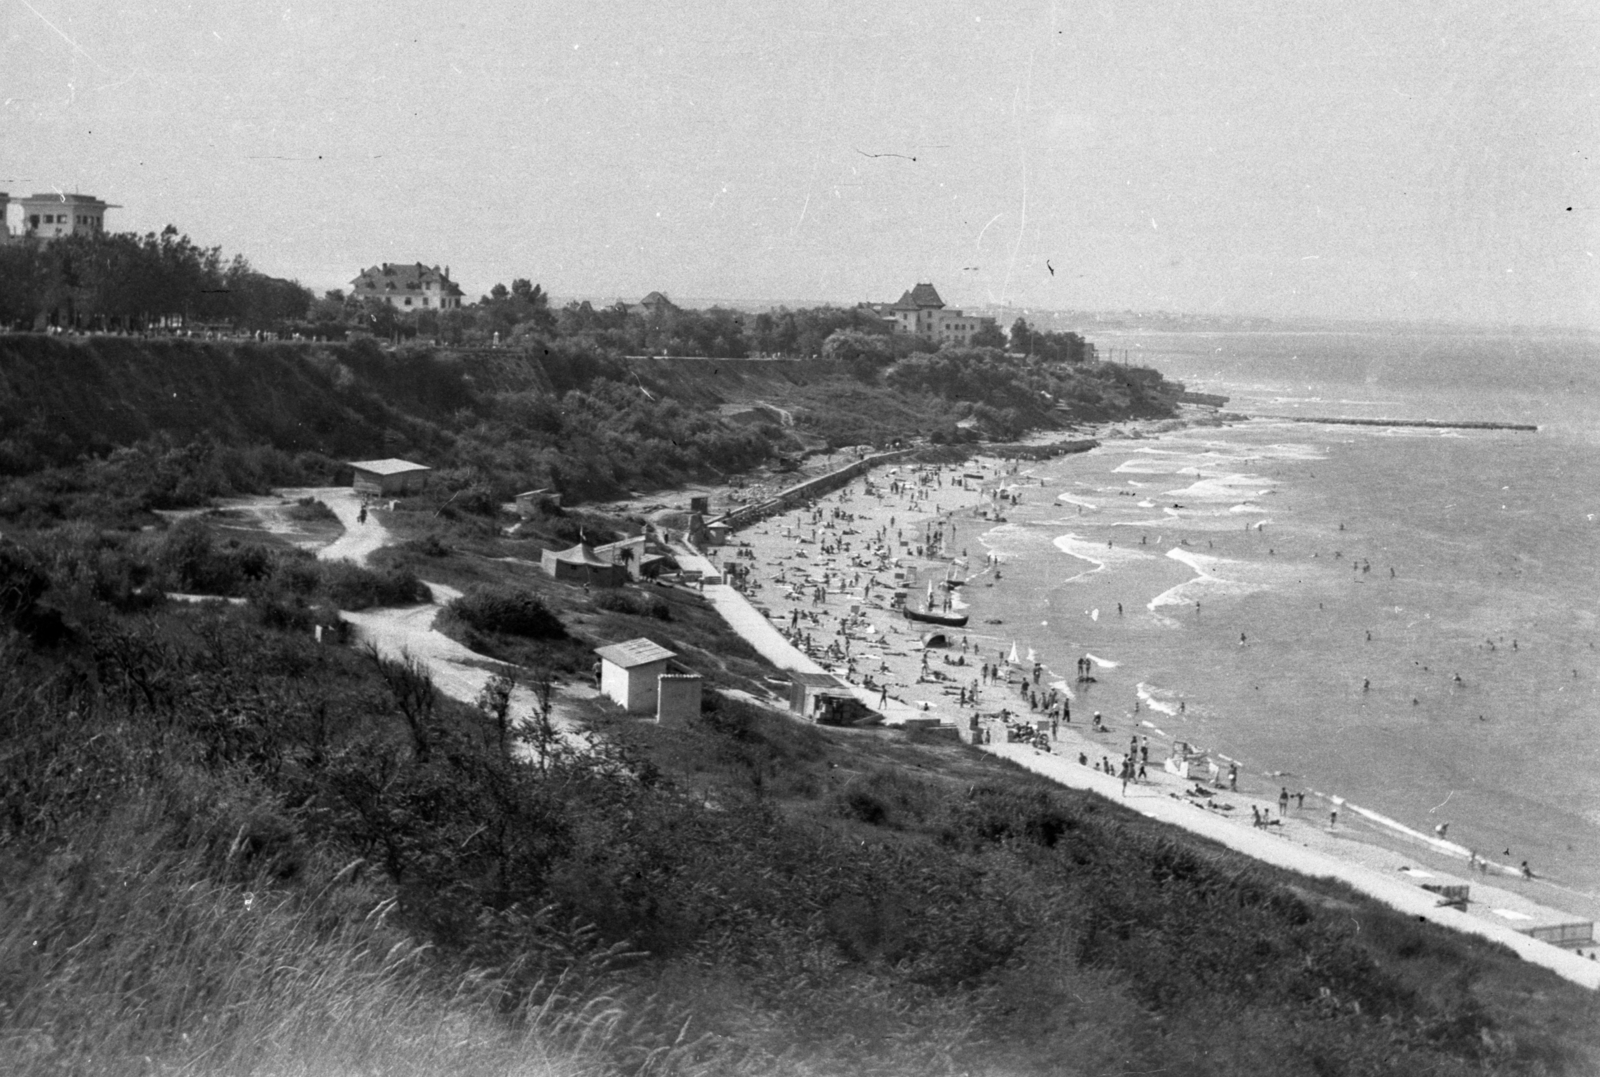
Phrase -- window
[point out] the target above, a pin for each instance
(424, 300)
(408, 300)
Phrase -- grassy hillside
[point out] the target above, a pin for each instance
(587, 423)
(225, 849)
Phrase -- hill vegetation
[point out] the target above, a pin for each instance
(227, 849)
(110, 426)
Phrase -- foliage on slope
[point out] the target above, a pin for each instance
(212, 418)
(213, 832)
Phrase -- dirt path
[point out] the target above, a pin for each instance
(360, 540)
(407, 631)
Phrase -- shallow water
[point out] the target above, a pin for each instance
(1292, 531)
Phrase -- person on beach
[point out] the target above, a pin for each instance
(1233, 777)
(1333, 818)
(1299, 800)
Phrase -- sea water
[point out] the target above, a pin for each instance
(1406, 618)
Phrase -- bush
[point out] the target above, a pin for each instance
(310, 510)
(352, 587)
(514, 611)
(640, 605)
(189, 558)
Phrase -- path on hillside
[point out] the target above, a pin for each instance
(407, 631)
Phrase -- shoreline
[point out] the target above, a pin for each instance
(859, 535)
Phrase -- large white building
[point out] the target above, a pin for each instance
(920, 312)
(55, 214)
(408, 287)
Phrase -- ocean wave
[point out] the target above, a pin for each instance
(1096, 554)
(1205, 583)
(1160, 700)
(1223, 488)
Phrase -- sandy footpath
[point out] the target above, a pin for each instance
(819, 594)
(407, 631)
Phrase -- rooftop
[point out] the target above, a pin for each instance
(922, 296)
(581, 554)
(62, 198)
(634, 652)
(390, 466)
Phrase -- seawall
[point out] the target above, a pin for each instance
(800, 492)
(1432, 424)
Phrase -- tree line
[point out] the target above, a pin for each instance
(125, 281)
(128, 282)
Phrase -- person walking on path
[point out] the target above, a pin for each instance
(361, 517)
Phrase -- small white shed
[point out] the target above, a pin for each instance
(630, 672)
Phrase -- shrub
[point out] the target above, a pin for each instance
(514, 611)
(640, 605)
(352, 587)
(310, 510)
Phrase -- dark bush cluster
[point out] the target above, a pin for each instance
(512, 611)
(624, 600)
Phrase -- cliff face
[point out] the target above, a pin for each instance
(89, 395)
(560, 415)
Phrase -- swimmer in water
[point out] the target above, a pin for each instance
(1366, 685)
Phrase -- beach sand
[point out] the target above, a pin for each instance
(827, 576)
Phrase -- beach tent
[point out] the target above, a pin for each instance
(580, 564)
(1012, 658)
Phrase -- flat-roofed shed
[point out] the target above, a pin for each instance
(629, 672)
(388, 478)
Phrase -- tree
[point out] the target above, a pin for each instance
(989, 336)
(494, 700)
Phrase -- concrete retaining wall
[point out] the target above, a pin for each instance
(802, 492)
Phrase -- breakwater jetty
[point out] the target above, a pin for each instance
(1431, 424)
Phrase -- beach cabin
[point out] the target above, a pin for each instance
(627, 553)
(805, 688)
(388, 478)
(717, 532)
(580, 564)
(630, 673)
(700, 503)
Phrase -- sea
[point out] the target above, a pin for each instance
(1400, 621)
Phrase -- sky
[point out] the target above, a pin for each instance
(1426, 160)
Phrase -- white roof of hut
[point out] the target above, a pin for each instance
(634, 652)
(390, 466)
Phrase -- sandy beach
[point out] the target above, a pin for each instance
(832, 576)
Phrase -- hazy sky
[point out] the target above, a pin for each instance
(1360, 158)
